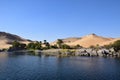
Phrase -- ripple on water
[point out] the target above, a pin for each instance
(29, 67)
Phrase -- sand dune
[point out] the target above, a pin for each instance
(67, 40)
(3, 44)
(6, 39)
(109, 42)
(90, 40)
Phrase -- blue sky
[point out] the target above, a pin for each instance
(52, 19)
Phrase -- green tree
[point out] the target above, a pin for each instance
(108, 46)
(45, 41)
(116, 45)
(47, 45)
(92, 46)
(59, 42)
(77, 46)
(38, 45)
(31, 46)
(40, 42)
(54, 46)
(23, 46)
(65, 46)
(15, 44)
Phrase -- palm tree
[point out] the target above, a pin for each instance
(59, 42)
(47, 45)
(45, 41)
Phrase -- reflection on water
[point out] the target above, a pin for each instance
(31, 67)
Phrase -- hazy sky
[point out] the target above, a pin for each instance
(52, 19)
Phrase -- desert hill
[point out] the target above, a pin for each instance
(67, 40)
(89, 40)
(6, 39)
(86, 41)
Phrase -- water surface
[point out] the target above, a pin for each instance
(30, 67)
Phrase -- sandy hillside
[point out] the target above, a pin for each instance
(3, 44)
(67, 40)
(90, 40)
(110, 42)
(6, 39)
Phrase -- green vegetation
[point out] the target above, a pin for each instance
(77, 46)
(53, 47)
(59, 43)
(31, 46)
(65, 46)
(96, 47)
(47, 45)
(17, 46)
(116, 45)
(92, 46)
(108, 46)
(39, 45)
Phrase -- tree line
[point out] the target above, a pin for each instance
(39, 45)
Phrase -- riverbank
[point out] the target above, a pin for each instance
(71, 52)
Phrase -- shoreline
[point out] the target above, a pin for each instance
(70, 52)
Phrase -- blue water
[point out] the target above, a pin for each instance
(30, 67)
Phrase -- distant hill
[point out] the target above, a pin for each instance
(67, 40)
(88, 40)
(6, 39)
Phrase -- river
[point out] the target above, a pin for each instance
(31, 67)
